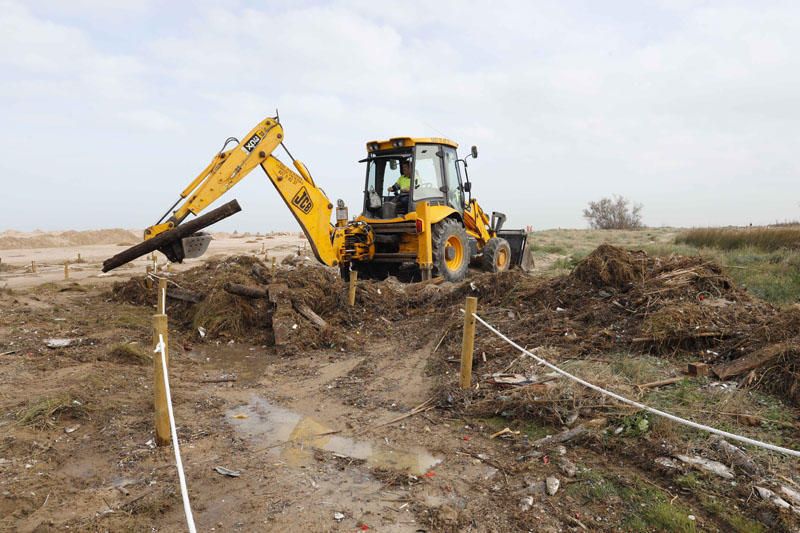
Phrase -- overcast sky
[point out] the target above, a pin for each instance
(690, 108)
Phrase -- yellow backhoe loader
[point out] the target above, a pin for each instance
(418, 218)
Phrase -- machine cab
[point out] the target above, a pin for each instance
(404, 170)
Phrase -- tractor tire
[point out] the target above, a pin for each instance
(496, 255)
(450, 249)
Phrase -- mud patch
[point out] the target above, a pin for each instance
(294, 437)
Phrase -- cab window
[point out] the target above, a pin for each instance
(455, 195)
(428, 180)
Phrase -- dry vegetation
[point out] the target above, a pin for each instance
(767, 239)
(771, 275)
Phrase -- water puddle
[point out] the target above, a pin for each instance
(245, 361)
(295, 437)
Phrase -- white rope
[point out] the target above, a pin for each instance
(622, 399)
(184, 491)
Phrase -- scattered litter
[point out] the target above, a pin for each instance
(226, 472)
(567, 467)
(666, 462)
(708, 465)
(338, 516)
(526, 503)
(504, 431)
(240, 416)
(202, 332)
(150, 444)
(71, 429)
(552, 483)
(61, 343)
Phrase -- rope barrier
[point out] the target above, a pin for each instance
(181, 478)
(638, 405)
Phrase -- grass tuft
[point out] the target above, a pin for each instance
(129, 353)
(43, 413)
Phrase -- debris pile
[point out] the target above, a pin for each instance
(617, 300)
(201, 300)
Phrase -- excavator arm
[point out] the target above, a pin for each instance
(307, 202)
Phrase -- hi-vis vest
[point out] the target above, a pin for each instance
(404, 183)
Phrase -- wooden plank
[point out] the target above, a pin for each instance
(752, 360)
(308, 313)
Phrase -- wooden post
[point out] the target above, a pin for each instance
(147, 281)
(468, 342)
(273, 265)
(161, 308)
(351, 294)
(79, 257)
(33, 267)
(66, 269)
(159, 391)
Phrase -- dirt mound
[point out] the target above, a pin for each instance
(38, 239)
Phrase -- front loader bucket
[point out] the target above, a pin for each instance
(518, 241)
(171, 241)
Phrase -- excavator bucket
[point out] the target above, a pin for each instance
(520, 252)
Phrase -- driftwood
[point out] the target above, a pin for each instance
(672, 338)
(176, 293)
(752, 360)
(277, 293)
(656, 384)
(307, 312)
(243, 290)
(736, 456)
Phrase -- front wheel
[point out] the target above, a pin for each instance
(450, 249)
(496, 255)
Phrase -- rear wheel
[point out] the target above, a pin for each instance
(450, 249)
(496, 255)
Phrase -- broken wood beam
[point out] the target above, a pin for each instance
(698, 369)
(277, 293)
(753, 360)
(244, 290)
(176, 293)
(308, 313)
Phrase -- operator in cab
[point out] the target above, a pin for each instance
(403, 183)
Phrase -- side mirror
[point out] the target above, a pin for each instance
(467, 186)
(393, 164)
(474, 152)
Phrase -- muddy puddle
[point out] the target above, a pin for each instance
(295, 437)
(246, 362)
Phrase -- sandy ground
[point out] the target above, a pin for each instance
(322, 439)
(50, 261)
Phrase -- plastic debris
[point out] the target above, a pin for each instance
(227, 472)
(552, 484)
